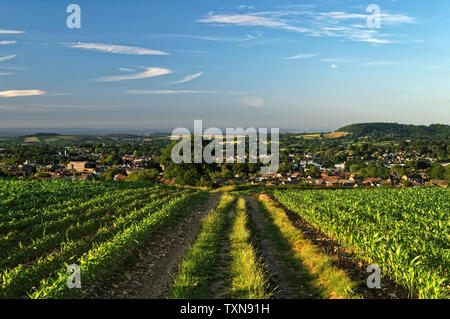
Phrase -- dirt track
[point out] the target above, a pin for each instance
(151, 276)
(278, 271)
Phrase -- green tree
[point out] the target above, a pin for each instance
(147, 175)
(109, 174)
(437, 172)
(447, 173)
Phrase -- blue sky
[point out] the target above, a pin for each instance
(163, 64)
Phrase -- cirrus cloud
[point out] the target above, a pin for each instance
(7, 42)
(4, 31)
(315, 24)
(18, 93)
(117, 49)
(253, 101)
(148, 73)
(302, 56)
(189, 78)
(8, 57)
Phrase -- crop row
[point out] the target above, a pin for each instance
(112, 254)
(19, 198)
(404, 231)
(23, 277)
(37, 227)
(104, 216)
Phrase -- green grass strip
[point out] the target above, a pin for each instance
(330, 280)
(195, 271)
(248, 274)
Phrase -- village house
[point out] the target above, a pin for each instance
(81, 167)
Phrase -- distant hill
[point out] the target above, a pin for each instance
(395, 130)
(41, 135)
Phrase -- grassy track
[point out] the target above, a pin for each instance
(328, 280)
(248, 275)
(194, 274)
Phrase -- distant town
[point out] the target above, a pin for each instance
(311, 160)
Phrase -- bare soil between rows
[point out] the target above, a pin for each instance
(151, 276)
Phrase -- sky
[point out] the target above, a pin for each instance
(278, 64)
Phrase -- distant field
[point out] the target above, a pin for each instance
(51, 140)
(309, 136)
(336, 134)
(327, 135)
(68, 137)
(55, 139)
(32, 139)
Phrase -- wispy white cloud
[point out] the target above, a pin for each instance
(245, 7)
(126, 70)
(189, 78)
(7, 42)
(18, 93)
(302, 56)
(316, 24)
(260, 19)
(5, 73)
(4, 31)
(117, 49)
(253, 101)
(148, 73)
(359, 62)
(8, 57)
(386, 18)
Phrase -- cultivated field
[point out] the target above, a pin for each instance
(46, 225)
(139, 240)
(404, 231)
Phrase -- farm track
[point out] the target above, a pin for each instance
(219, 286)
(152, 274)
(345, 259)
(279, 272)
